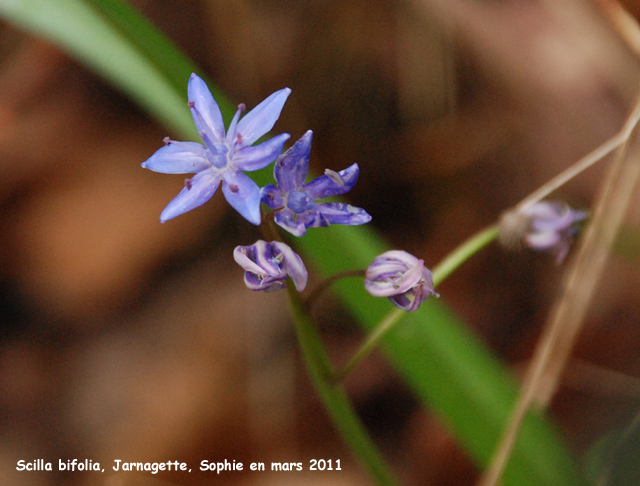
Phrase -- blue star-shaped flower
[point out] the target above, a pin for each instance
(295, 201)
(223, 156)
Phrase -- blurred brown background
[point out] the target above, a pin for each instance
(121, 338)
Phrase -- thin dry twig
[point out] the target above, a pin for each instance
(566, 319)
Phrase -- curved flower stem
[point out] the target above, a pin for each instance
(334, 398)
(269, 229)
(370, 343)
(463, 252)
(327, 282)
(445, 268)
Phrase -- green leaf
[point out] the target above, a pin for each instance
(442, 361)
(118, 43)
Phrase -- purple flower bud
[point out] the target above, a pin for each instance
(401, 277)
(267, 266)
(545, 226)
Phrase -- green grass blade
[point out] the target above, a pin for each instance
(157, 48)
(83, 31)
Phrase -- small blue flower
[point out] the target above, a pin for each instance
(223, 156)
(295, 201)
(267, 266)
(402, 278)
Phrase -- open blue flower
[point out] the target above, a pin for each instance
(222, 156)
(295, 201)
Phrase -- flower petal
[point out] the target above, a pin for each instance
(231, 131)
(258, 157)
(178, 158)
(543, 240)
(294, 265)
(271, 285)
(393, 272)
(199, 191)
(400, 258)
(199, 93)
(292, 167)
(258, 258)
(409, 301)
(391, 263)
(341, 213)
(262, 118)
(293, 223)
(550, 216)
(245, 257)
(271, 196)
(243, 194)
(325, 186)
(383, 270)
(394, 284)
(380, 288)
(402, 278)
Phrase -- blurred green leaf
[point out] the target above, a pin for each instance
(121, 45)
(614, 460)
(438, 356)
(597, 461)
(627, 244)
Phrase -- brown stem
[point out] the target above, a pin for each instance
(568, 314)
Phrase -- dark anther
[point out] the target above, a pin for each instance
(166, 140)
(242, 107)
(234, 188)
(191, 104)
(187, 184)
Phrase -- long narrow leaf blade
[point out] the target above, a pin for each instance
(82, 31)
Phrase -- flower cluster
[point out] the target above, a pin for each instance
(224, 156)
(222, 159)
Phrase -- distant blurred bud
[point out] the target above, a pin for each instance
(401, 277)
(545, 226)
